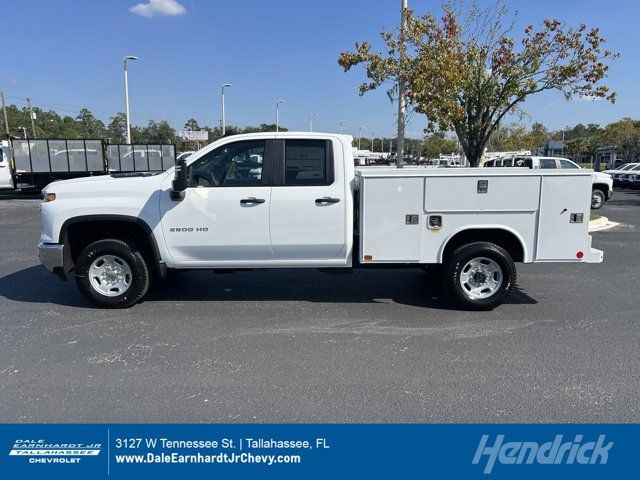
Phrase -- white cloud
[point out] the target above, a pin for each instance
(167, 8)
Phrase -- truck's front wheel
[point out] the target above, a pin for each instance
(479, 276)
(112, 273)
(597, 199)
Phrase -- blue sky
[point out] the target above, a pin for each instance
(66, 54)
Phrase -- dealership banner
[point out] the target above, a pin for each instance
(193, 135)
(123, 451)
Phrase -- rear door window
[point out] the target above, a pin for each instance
(547, 163)
(522, 162)
(567, 164)
(306, 163)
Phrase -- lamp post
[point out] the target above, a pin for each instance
(278, 102)
(342, 122)
(311, 115)
(360, 135)
(373, 137)
(223, 122)
(126, 95)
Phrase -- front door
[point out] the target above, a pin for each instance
(5, 168)
(308, 203)
(223, 219)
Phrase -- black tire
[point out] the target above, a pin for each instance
(451, 275)
(598, 198)
(129, 253)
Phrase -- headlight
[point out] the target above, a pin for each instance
(48, 197)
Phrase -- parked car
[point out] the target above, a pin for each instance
(602, 188)
(184, 155)
(623, 178)
(621, 168)
(310, 208)
(634, 181)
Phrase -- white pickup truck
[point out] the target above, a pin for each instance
(295, 200)
(602, 182)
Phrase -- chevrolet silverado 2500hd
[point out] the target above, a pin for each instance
(292, 200)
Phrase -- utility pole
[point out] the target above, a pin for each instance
(360, 135)
(4, 113)
(373, 137)
(33, 124)
(402, 107)
(342, 122)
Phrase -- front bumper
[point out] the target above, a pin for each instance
(51, 255)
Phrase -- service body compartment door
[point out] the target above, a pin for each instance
(389, 230)
(560, 234)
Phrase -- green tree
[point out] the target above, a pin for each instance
(192, 125)
(117, 128)
(158, 132)
(90, 126)
(509, 138)
(435, 144)
(577, 146)
(466, 71)
(624, 135)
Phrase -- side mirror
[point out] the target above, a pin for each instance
(181, 180)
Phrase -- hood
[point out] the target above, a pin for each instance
(602, 175)
(101, 184)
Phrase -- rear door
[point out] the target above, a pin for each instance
(308, 202)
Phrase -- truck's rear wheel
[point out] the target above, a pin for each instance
(479, 276)
(597, 199)
(112, 273)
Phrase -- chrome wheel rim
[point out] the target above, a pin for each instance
(481, 277)
(110, 275)
(596, 200)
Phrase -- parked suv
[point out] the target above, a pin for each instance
(624, 178)
(602, 189)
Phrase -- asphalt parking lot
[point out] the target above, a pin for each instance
(303, 346)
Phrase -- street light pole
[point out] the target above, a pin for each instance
(360, 135)
(24, 132)
(224, 128)
(278, 102)
(126, 95)
(342, 122)
(373, 137)
(402, 107)
(311, 115)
